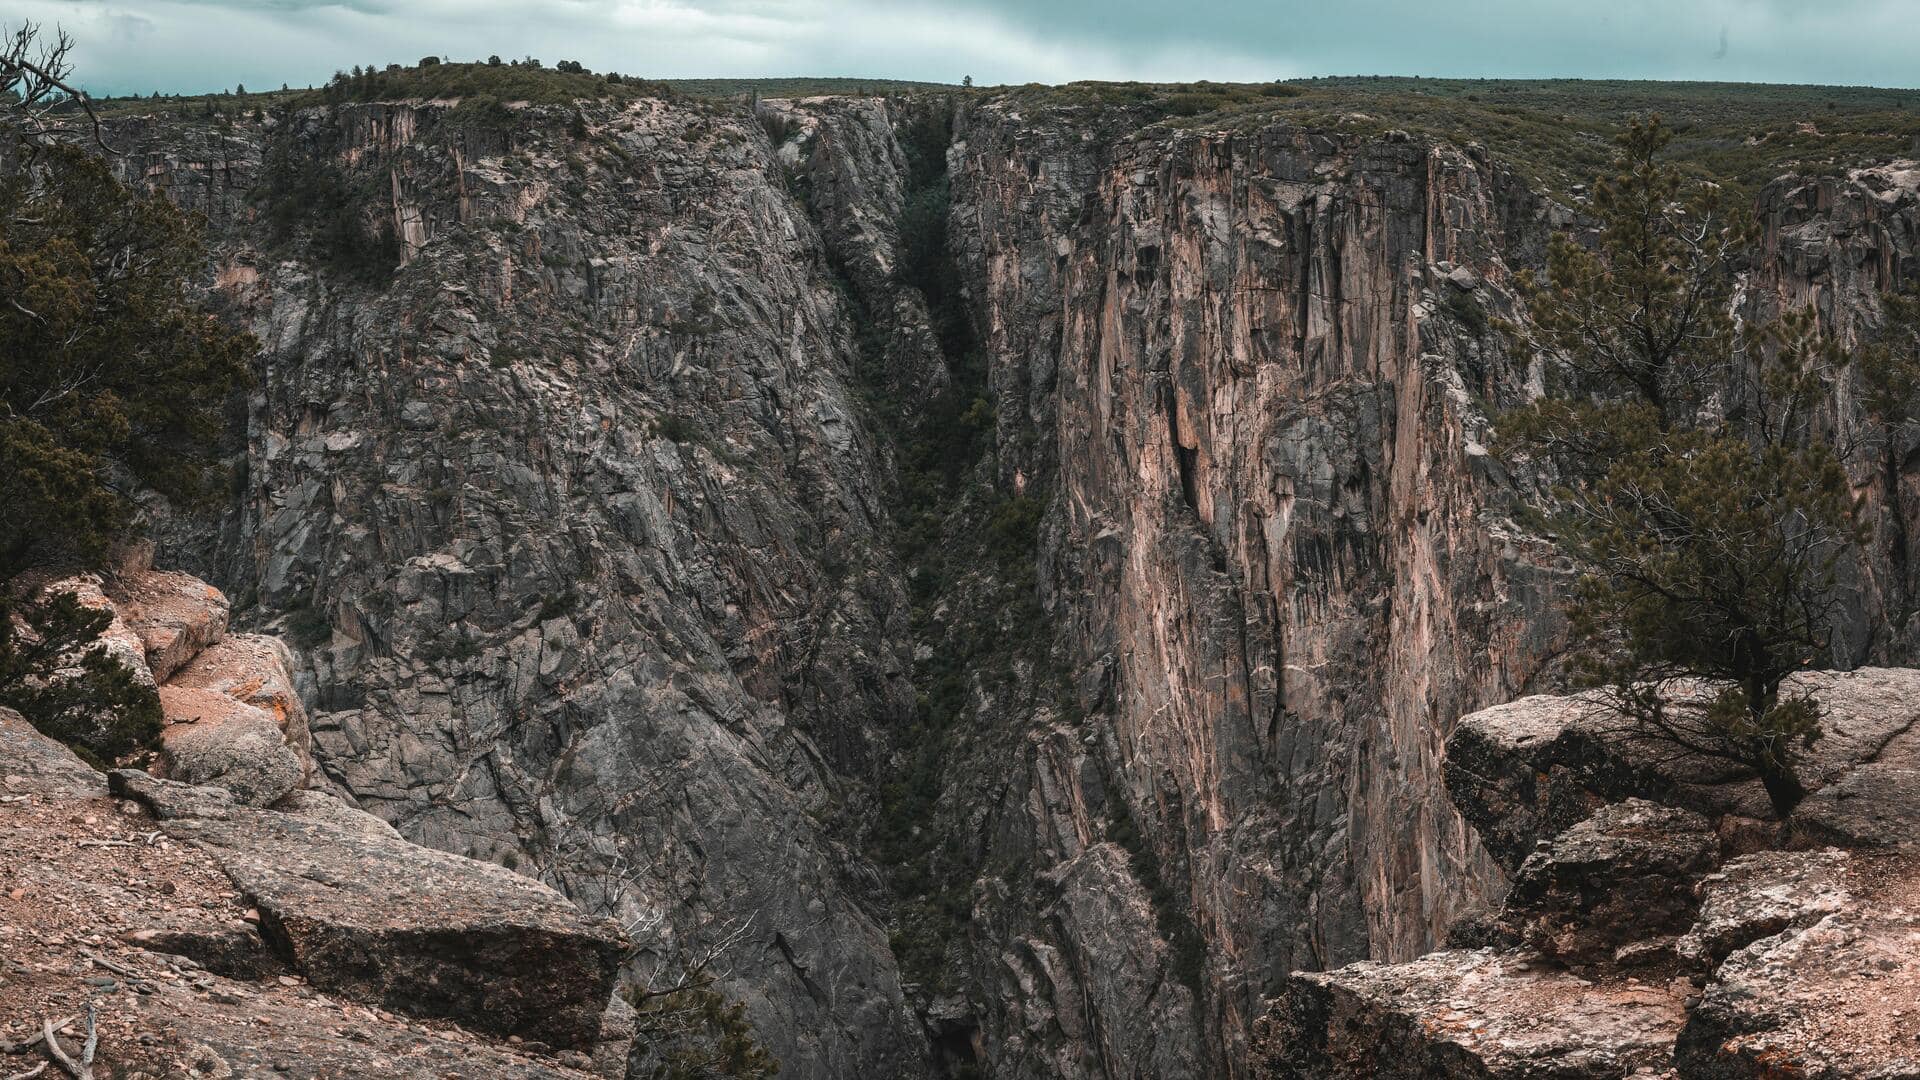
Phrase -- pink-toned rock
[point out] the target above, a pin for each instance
(254, 669)
(211, 738)
(120, 639)
(175, 615)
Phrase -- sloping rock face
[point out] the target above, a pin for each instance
(1687, 957)
(152, 922)
(573, 514)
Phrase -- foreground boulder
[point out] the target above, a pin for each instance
(1524, 772)
(101, 905)
(1464, 1014)
(379, 919)
(213, 739)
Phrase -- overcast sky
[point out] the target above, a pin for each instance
(198, 45)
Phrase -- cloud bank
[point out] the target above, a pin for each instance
(198, 45)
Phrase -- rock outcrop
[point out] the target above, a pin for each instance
(212, 936)
(1647, 939)
(369, 916)
(232, 715)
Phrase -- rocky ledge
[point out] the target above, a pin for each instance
(1659, 923)
(224, 916)
(215, 939)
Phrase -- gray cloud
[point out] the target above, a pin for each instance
(193, 45)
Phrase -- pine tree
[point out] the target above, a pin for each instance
(112, 382)
(1696, 485)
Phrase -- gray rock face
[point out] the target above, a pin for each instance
(578, 521)
(582, 522)
(1274, 553)
(382, 920)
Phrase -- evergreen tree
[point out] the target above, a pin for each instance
(112, 382)
(1696, 484)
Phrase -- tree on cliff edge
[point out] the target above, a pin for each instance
(113, 383)
(1695, 482)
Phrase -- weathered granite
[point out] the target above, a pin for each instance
(1621, 877)
(1464, 1015)
(379, 919)
(1763, 894)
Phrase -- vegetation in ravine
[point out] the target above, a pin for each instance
(969, 549)
(1697, 486)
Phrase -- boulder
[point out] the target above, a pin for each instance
(1621, 877)
(619, 1026)
(1526, 771)
(1462, 1015)
(1759, 895)
(120, 639)
(211, 738)
(175, 615)
(378, 919)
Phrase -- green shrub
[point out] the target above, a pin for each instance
(55, 671)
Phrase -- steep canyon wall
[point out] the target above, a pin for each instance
(580, 465)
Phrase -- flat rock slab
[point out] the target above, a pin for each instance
(33, 765)
(1464, 1014)
(1528, 770)
(1875, 805)
(175, 615)
(422, 931)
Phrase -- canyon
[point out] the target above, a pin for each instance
(1024, 656)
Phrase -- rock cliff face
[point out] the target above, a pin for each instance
(576, 516)
(577, 481)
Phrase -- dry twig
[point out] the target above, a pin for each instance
(82, 1069)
